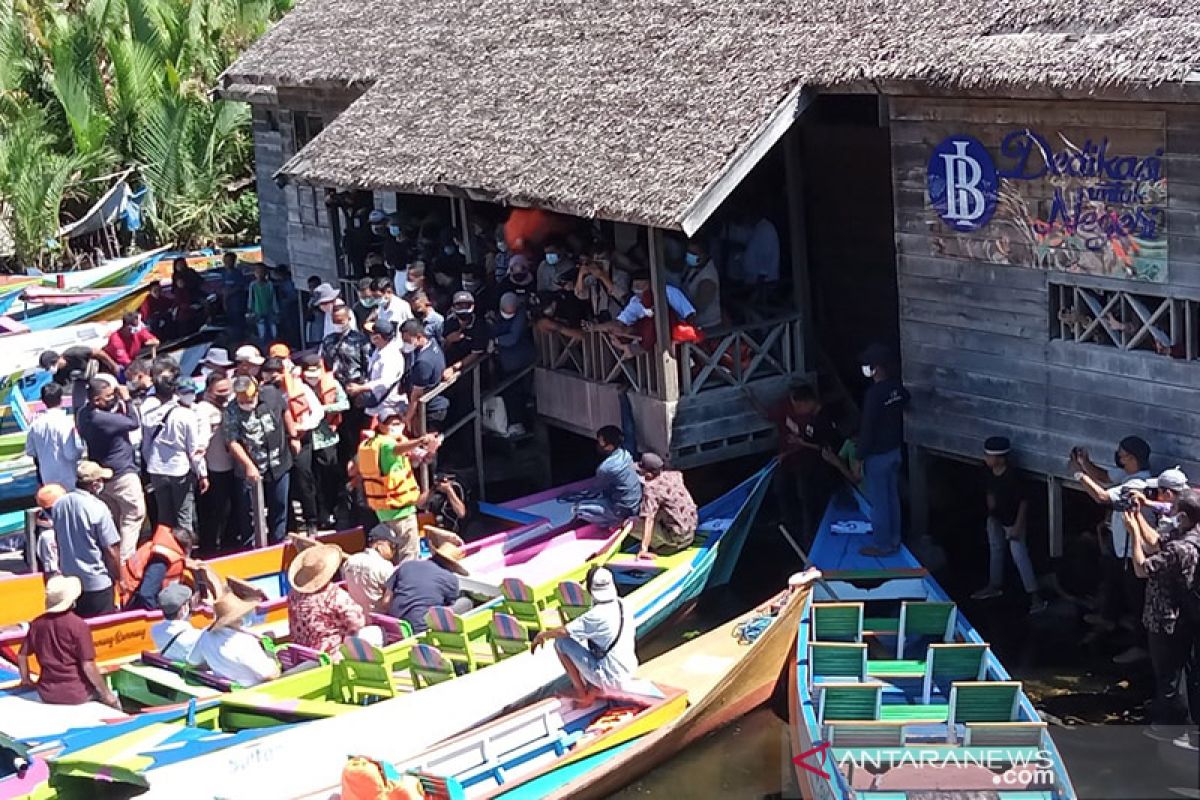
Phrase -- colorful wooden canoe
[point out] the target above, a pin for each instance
(307, 759)
(893, 693)
(724, 678)
(53, 296)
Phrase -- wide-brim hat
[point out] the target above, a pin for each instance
(229, 609)
(451, 556)
(312, 569)
(61, 593)
(217, 357)
(323, 294)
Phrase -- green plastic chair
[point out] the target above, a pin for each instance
(838, 661)
(428, 666)
(947, 663)
(839, 702)
(362, 675)
(523, 603)
(866, 733)
(447, 631)
(573, 600)
(924, 619)
(838, 622)
(507, 636)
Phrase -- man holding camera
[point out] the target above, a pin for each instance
(1124, 590)
(446, 500)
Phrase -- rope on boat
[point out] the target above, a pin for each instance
(748, 631)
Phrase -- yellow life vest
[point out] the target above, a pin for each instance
(397, 489)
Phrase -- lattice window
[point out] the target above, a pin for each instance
(1125, 320)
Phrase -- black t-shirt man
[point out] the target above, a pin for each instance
(1005, 492)
(425, 368)
(78, 358)
(474, 339)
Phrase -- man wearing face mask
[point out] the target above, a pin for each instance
(346, 353)
(330, 478)
(426, 314)
(496, 261)
(364, 307)
(879, 441)
(701, 282)
(390, 308)
(555, 262)
(473, 281)
(106, 424)
(172, 452)
(1168, 559)
(448, 268)
(514, 352)
(426, 363)
(307, 414)
(325, 299)
(219, 505)
(378, 222)
(466, 335)
(379, 393)
(1123, 592)
(260, 432)
(617, 483)
(398, 247)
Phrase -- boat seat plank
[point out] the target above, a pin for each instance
(934, 712)
(992, 755)
(896, 668)
(881, 625)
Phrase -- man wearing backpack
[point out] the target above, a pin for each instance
(1169, 559)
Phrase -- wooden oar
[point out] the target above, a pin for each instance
(807, 561)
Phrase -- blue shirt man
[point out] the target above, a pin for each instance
(617, 483)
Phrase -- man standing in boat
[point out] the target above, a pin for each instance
(879, 442)
(596, 648)
(1008, 510)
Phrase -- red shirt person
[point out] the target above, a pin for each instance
(62, 643)
(127, 341)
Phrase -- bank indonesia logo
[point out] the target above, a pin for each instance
(962, 183)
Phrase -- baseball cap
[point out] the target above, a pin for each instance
(1173, 479)
(174, 597)
(89, 471)
(376, 217)
(385, 329)
(249, 353)
(382, 533)
(463, 298)
(279, 350)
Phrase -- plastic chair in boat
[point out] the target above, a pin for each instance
(946, 663)
(982, 701)
(866, 733)
(522, 602)
(452, 634)
(394, 630)
(838, 622)
(1004, 734)
(507, 636)
(362, 674)
(837, 661)
(840, 702)
(573, 600)
(925, 619)
(438, 787)
(428, 666)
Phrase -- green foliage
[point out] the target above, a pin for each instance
(89, 88)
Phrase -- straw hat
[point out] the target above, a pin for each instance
(61, 593)
(229, 609)
(312, 569)
(451, 556)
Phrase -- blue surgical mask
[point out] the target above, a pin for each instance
(449, 249)
(552, 258)
(693, 260)
(394, 230)
(502, 246)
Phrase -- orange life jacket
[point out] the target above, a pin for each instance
(397, 489)
(327, 391)
(297, 401)
(363, 779)
(161, 545)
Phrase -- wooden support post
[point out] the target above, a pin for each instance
(465, 227)
(258, 507)
(918, 493)
(798, 238)
(1054, 489)
(31, 535)
(664, 354)
(478, 428)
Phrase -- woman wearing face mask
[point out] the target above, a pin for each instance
(879, 442)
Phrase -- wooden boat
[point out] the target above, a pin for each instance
(53, 296)
(724, 677)
(307, 759)
(894, 694)
(515, 754)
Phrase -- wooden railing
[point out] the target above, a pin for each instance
(731, 357)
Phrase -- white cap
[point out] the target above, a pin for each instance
(602, 587)
(249, 353)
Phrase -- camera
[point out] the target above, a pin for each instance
(1125, 501)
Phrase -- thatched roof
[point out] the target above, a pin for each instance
(629, 109)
